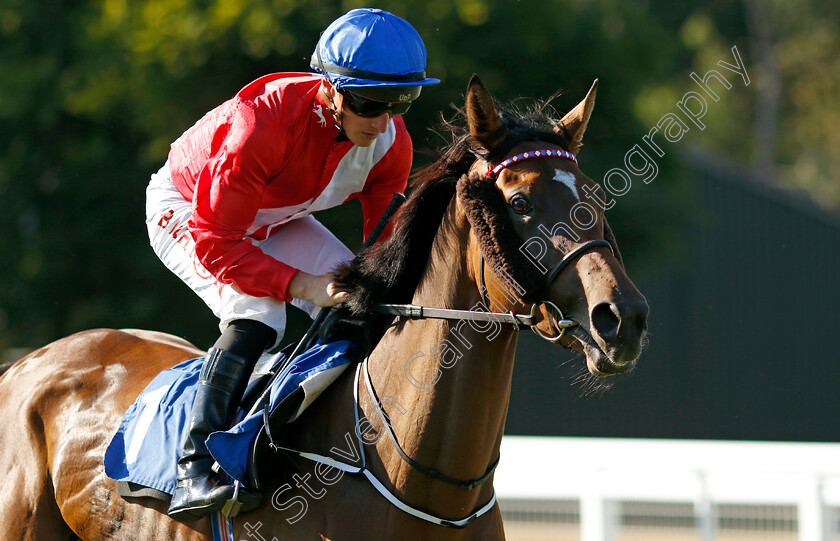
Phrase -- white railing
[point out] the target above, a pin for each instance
(600, 472)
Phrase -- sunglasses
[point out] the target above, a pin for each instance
(369, 108)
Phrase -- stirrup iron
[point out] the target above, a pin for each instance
(233, 505)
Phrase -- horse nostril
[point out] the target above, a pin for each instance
(605, 320)
(639, 316)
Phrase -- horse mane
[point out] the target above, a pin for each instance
(390, 270)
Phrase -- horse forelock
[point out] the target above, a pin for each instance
(390, 271)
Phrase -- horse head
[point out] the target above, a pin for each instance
(539, 228)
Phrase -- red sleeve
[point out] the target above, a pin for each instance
(388, 176)
(227, 197)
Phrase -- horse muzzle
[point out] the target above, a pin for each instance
(614, 337)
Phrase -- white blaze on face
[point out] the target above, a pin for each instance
(568, 179)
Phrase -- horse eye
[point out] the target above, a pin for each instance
(519, 204)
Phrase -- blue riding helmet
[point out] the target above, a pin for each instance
(375, 54)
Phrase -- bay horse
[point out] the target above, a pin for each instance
(467, 239)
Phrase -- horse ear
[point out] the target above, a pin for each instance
(572, 126)
(486, 126)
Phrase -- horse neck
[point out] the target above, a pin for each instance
(444, 384)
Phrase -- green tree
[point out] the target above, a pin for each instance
(94, 91)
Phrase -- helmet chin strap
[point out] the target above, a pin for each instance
(337, 118)
(334, 112)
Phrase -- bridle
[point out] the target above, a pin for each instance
(421, 312)
(561, 323)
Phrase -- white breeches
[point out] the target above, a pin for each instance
(302, 243)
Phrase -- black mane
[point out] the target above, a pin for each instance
(390, 271)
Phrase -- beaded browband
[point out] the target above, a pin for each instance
(532, 154)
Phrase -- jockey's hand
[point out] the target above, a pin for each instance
(317, 289)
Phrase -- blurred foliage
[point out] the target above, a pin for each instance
(94, 91)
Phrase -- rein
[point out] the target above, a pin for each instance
(421, 312)
(412, 311)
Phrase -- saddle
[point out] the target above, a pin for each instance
(143, 454)
(362, 335)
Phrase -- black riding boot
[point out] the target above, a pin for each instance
(200, 490)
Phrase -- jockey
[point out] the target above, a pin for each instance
(230, 211)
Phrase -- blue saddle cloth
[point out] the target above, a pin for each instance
(146, 448)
